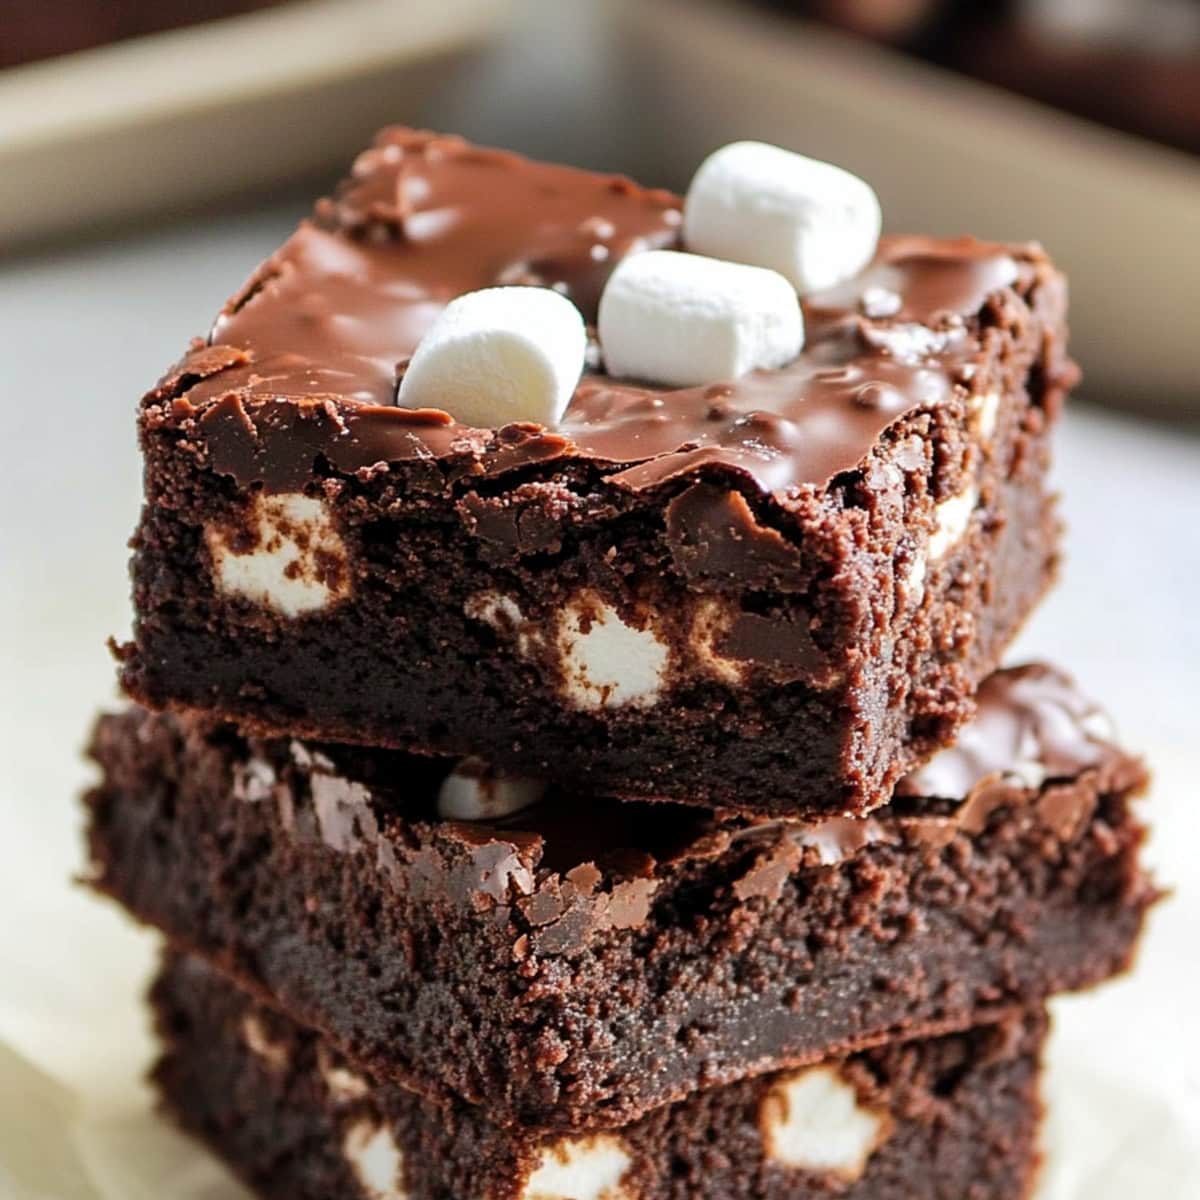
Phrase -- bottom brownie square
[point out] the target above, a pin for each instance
(951, 1117)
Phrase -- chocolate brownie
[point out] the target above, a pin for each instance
(949, 1117)
(776, 594)
(582, 961)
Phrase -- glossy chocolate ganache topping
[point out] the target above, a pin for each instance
(304, 362)
(1031, 724)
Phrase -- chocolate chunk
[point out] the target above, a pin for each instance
(1032, 724)
(715, 540)
(784, 646)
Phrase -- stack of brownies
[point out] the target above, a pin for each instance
(574, 763)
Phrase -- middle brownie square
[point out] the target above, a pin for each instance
(579, 962)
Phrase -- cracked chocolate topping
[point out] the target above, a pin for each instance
(1031, 740)
(303, 364)
(1031, 724)
(570, 868)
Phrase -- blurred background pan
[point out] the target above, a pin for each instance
(166, 121)
(947, 155)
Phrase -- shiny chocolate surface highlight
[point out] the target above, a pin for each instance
(1032, 724)
(302, 365)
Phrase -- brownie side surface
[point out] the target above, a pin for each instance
(949, 1117)
(803, 576)
(589, 960)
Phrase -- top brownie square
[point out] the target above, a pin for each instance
(777, 594)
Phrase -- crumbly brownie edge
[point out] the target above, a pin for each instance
(736, 966)
(423, 656)
(936, 1120)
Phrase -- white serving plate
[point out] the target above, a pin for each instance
(949, 156)
(168, 121)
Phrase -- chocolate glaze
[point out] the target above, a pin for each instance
(302, 365)
(1031, 725)
(1033, 741)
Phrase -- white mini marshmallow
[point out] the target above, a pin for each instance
(811, 221)
(951, 519)
(710, 623)
(587, 1168)
(375, 1159)
(494, 609)
(289, 567)
(259, 1043)
(504, 615)
(984, 410)
(473, 793)
(813, 1120)
(914, 578)
(499, 355)
(682, 319)
(607, 663)
(342, 1084)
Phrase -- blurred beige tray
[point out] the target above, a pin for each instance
(173, 119)
(947, 155)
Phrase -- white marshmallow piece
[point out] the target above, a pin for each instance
(343, 1085)
(375, 1159)
(499, 355)
(814, 223)
(288, 567)
(257, 1041)
(605, 662)
(952, 517)
(587, 1168)
(683, 320)
(813, 1120)
(473, 793)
